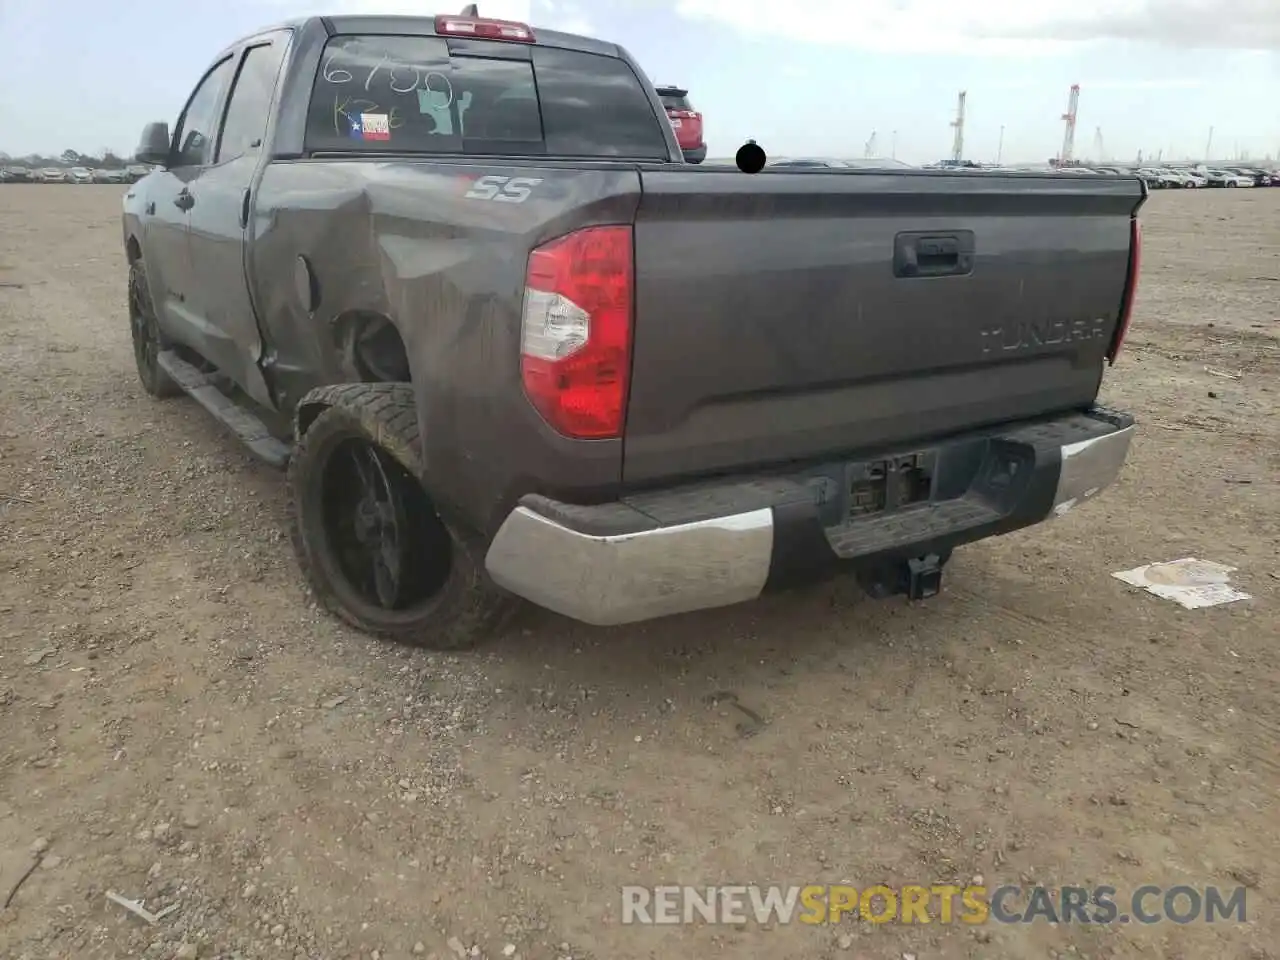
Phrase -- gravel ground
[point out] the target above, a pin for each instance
(181, 725)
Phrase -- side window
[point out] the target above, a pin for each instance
(193, 140)
(246, 121)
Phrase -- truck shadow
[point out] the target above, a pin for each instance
(739, 668)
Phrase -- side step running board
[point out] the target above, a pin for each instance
(202, 388)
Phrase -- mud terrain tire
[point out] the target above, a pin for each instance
(144, 329)
(443, 599)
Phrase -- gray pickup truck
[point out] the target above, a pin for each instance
(454, 275)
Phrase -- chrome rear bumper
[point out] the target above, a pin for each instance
(622, 578)
(637, 568)
(1090, 465)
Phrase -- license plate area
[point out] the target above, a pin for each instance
(888, 485)
(845, 493)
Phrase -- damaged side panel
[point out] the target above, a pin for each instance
(439, 250)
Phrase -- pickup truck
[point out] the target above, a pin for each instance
(454, 276)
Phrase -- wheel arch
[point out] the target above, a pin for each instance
(371, 347)
(370, 350)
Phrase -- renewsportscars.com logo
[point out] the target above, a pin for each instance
(937, 903)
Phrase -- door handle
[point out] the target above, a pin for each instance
(184, 200)
(933, 254)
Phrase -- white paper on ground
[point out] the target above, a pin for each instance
(1190, 582)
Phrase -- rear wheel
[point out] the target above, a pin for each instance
(368, 538)
(147, 339)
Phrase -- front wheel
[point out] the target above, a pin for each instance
(367, 536)
(144, 330)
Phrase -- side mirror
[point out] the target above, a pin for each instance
(153, 145)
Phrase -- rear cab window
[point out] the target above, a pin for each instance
(402, 94)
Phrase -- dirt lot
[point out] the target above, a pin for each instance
(179, 724)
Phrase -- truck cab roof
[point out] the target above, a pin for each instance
(425, 26)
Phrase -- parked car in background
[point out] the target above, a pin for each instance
(53, 175)
(1226, 178)
(954, 165)
(136, 171)
(802, 163)
(18, 174)
(686, 121)
(1261, 178)
(1187, 179)
(877, 163)
(1154, 179)
(80, 175)
(110, 176)
(861, 163)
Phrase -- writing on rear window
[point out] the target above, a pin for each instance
(409, 94)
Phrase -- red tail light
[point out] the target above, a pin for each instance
(487, 29)
(575, 336)
(1130, 288)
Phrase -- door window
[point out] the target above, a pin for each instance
(250, 105)
(193, 140)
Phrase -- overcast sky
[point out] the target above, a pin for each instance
(813, 77)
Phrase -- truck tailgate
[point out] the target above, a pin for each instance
(787, 316)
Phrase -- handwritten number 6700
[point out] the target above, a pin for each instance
(395, 79)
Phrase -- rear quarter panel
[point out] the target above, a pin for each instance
(437, 249)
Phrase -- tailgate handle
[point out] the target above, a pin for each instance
(933, 254)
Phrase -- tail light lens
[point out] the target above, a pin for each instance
(575, 336)
(1130, 288)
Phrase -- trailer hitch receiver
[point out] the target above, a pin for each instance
(924, 577)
